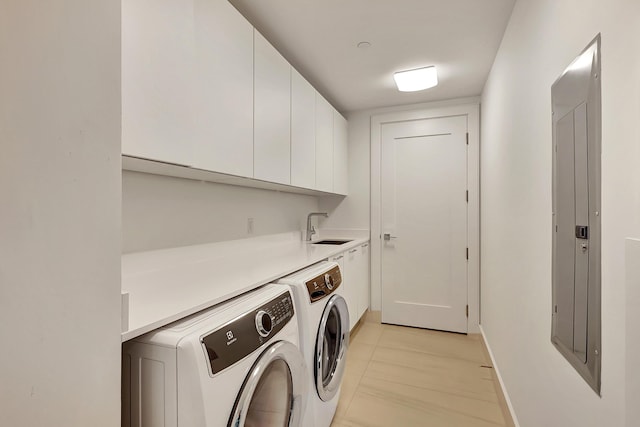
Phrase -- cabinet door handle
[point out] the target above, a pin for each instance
(352, 251)
(365, 245)
(338, 257)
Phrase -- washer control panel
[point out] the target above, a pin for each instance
(245, 334)
(324, 284)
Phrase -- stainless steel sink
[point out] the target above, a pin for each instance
(331, 242)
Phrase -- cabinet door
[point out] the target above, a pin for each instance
(159, 113)
(324, 144)
(187, 84)
(272, 114)
(225, 88)
(303, 132)
(352, 267)
(344, 290)
(364, 286)
(340, 154)
(351, 279)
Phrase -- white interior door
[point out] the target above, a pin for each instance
(424, 223)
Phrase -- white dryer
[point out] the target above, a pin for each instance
(324, 336)
(236, 364)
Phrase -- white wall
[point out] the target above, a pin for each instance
(542, 38)
(161, 212)
(60, 213)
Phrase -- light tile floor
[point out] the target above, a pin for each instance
(398, 376)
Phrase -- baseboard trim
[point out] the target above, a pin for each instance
(505, 394)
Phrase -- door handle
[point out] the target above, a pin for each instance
(388, 236)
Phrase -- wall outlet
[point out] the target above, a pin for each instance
(249, 225)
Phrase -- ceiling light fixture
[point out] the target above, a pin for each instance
(416, 79)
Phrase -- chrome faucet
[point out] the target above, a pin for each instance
(310, 229)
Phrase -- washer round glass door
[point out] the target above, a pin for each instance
(273, 395)
(331, 347)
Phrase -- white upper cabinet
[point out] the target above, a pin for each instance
(201, 88)
(272, 114)
(187, 84)
(324, 144)
(225, 88)
(303, 132)
(340, 154)
(159, 80)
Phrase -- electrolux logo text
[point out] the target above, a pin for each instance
(231, 338)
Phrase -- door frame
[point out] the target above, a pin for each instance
(472, 111)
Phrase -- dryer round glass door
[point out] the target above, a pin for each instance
(273, 395)
(331, 347)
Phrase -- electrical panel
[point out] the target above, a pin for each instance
(576, 99)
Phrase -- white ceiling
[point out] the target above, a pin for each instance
(319, 38)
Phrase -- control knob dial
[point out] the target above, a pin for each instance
(328, 280)
(264, 323)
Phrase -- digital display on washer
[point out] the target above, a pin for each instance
(242, 336)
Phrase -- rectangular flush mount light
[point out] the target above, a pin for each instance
(417, 79)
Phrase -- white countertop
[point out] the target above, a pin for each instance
(169, 284)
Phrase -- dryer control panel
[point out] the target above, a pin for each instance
(324, 284)
(242, 336)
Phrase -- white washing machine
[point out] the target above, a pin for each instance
(324, 336)
(236, 364)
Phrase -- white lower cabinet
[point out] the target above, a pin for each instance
(354, 264)
(344, 287)
(352, 279)
(364, 294)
